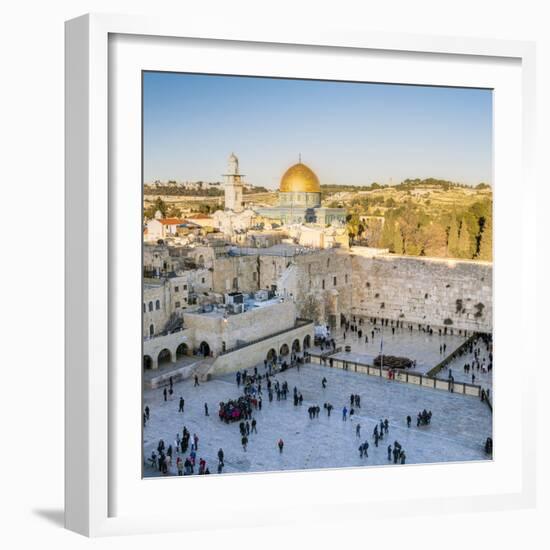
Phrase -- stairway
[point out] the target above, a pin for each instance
(203, 368)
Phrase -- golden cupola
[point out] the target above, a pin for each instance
(299, 179)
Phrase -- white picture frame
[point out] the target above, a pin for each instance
(97, 241)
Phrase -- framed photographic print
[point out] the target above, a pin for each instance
(291, 270)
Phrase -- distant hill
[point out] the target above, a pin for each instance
(428, 217)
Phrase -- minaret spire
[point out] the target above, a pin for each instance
(300, 158)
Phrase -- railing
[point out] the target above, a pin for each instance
(298, 324)
(404, 376)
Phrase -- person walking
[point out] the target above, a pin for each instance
(344, 414)
(253, 426)
(358, 430)
(366, 449)
(182, 404)
(196, 381)
(280, 444)
(244, 442)
(147, 411)
(165, 393)
(409, 419)
(389, 452)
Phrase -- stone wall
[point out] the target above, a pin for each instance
(237, 329)
(319, 283)
(439, 292)
(235, 273)
(250, 356)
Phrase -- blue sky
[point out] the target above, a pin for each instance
(348, 133)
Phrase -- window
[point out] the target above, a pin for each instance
(157, 304)
(150, 306)
(184, 287)
(176, 289)
(178, 304)
(323, 284)
(202, 280)
(346, 278)
(151, 330)
(334, 280)
(144, 308)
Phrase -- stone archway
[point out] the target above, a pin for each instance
(307, 342)
(284, 350)
(204, 349)
(296, 346)
(165, 356)
(147, 362)
(271, 355)
(182, 350)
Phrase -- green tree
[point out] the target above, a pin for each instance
(486, 241)
(388, 233)
(398, 246)
(452, 238)
(465, 241)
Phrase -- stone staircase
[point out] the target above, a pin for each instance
(203, 368)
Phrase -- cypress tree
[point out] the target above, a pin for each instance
(452, 239)
(464, 241)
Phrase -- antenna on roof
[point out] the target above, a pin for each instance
(300, 157)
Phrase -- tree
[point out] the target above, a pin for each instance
(310, 308)
(452, 238)
(388, 233)
(464, 241)
(433, 240)
(398, 247)
(486, 241)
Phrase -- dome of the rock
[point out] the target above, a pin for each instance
(299, 179)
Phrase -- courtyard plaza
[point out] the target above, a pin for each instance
(419, 346)
(458, 430)
(416, 345)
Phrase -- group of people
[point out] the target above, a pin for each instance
(423, 418)
(235, 409)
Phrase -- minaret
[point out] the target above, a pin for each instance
(233, 185)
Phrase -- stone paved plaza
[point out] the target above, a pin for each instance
(416, 345)
(459, 428)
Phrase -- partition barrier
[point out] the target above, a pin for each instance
(404, 376)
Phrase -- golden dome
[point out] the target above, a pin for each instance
(301, 179)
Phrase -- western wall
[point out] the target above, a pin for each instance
(441, 292)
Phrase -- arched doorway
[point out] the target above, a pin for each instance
(307, 341)
(204, 349)
(284, 350)
(181, 351)
(271, 355)
(164, 357)
(147, 362)
(296, 346)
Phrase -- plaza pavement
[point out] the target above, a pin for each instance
(460, 424)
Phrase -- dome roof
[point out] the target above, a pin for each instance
(299, 178)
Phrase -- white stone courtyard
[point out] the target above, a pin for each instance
(459, 427)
